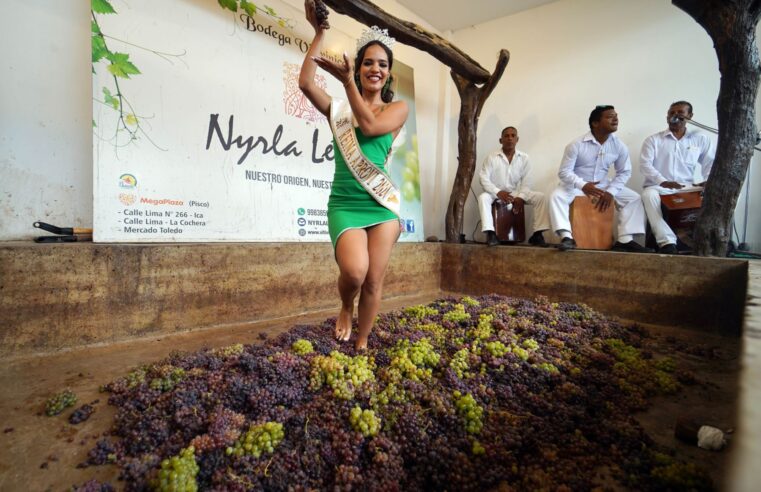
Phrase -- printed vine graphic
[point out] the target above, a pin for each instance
(120, 67)
(250, 8)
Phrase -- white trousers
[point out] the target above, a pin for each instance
(534, 198)
(631, 214)
(651, 199)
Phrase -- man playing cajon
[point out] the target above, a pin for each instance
(584, 171)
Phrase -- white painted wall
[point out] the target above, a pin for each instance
(45, 116)
(565, 58)
(568, 56)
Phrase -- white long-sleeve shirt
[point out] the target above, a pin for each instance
(586, 161)
(498, 174)
(666, 158)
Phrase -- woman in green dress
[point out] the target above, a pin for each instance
(363, 230)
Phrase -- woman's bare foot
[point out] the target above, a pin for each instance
(343, 324)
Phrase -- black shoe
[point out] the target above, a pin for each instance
(668, 249)
(491, 238)
(630, 247)
(567, 243)
(537, 239)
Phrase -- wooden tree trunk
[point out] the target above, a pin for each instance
(731, 24)
(472, 99)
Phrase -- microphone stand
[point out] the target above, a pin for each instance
(714, 130)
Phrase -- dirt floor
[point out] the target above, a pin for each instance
(40, 453)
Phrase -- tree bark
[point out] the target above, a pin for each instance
(412, 34)
(472, 99)
(731, 24)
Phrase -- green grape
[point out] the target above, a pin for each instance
(302, 347)
(530, 344)
(170, 376)
(469, 301)
(497, 348)
(343, 374)
(229, 351)
(459, 363)
(364, 421)
(259, 439)
(58, 402)
(420, 311)
(470, 411)
(457, 314)
(178, 473)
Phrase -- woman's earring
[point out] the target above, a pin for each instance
(387, 85)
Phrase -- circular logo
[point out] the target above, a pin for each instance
(302, 221)
(127, 181)
(127, 198)
(302, 232)
(301, 211)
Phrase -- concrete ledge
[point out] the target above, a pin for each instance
(67, 295)
(697, 293)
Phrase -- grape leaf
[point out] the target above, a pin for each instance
(93, 124)
(109, 99)
(99, 49)
(249, 7)
(131, 119)
(102, 7)
(229, 4)
(94, 27)
(121, 66)
(270, 11)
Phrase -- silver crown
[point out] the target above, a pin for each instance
(375, 33)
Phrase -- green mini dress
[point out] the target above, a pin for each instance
(350, 206)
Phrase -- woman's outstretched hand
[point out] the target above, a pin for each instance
(317, 14)
(344, 72)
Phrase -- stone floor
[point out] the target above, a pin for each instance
(41, 453)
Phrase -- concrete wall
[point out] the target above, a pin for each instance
(695, 293)
(570, 55)
(69, 295)
(566, 57)
(77, 294)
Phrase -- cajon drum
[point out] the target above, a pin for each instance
(591, 228)
(508, 226)
(680, 210)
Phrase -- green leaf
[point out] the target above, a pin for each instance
(93, 124)
(102, 7)
(94, 27)
(131, 119)
(270, 11)
(121, 66)
(229, 4)
(249, 7)
(99, 49)
(109, 99)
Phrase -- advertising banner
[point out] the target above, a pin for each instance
(200, 132)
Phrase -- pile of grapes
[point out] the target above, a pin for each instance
(460, 394)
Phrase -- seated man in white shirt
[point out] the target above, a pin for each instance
(584, 170)
(668, 161)
(504, 177)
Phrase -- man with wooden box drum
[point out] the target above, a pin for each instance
(504, 177)
(668, 162)
(584, 171)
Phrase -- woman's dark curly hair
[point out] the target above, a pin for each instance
(387, 94)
